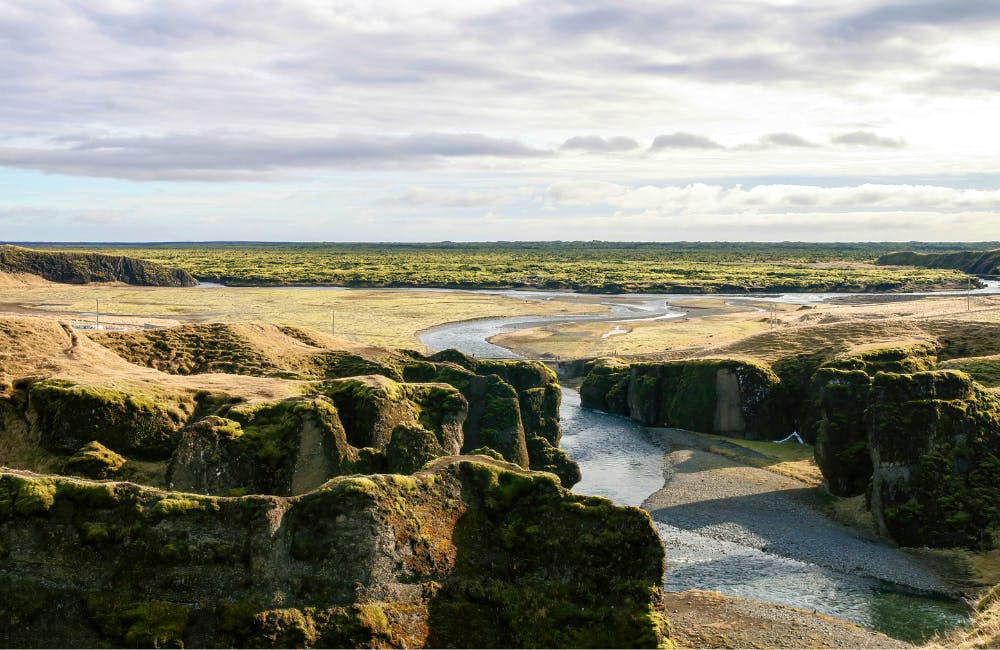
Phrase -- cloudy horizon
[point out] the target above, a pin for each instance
(299, 120)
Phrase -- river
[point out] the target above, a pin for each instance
(621, 460)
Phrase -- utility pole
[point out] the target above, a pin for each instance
(333, 323)
(98, 314)
(968, 306)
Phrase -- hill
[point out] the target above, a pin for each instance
(81, 268)
(971, 262)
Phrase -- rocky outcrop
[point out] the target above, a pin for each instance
(974, 262)
(513, 406)
(725, 396)
(81, 268)
(935, 448)
(839, 401)
(841, 398)
(605, 386)
(67, 415)
(470, 553)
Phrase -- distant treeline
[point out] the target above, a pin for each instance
(605, 267)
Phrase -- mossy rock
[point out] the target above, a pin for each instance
(842, 453)
(733, 397)
(94, 460)
(363, 561)
(605, 386)
(935, 446)
(69, 415)
(127, 623)
(284, 447)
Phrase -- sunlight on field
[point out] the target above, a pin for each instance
(589, 340)
(381, 317)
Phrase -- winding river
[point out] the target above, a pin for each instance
(624, 462)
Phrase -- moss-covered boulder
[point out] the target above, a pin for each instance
(935, 449)
(841, 399)
(605, 386)
(470, 553)
(94, 460)
(145, 424)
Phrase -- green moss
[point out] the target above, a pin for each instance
(337, 364)
(605, 386)
(151, 624)
(174, 505)
(94, 460)
(985, 370)
(944, 431)
(26, 496)
(69, 416)
(517, 589)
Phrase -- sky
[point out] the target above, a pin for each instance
(318, 120)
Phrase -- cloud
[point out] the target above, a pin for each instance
(214, 156)
(701, 198)
(868, 139)
(782, 139)
(681, 140)
(883, 18)
(596, 143)
(424, 196)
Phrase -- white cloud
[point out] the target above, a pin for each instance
(461, 102)
(700, 198)
(868, 139)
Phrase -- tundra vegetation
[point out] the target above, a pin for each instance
(593, 267)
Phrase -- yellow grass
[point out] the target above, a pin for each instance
(587, 339)
(380, 317)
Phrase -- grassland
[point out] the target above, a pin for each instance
(602, 267)
(713, 327)
(379, 317)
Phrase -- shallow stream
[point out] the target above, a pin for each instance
(622, 461)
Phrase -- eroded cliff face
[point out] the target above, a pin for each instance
(726, 396)
(470, 552)
(511, 407)
(309, 495)
(81, 268)
(935, 448)
(923, 443)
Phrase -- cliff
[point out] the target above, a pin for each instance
(971, 262)
(81, 268)
(732, 397)
(471, 552)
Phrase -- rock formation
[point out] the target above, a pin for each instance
(471, 552)
(81, 268)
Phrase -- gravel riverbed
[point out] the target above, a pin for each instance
(722, 499)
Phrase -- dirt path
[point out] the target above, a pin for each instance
(728, 501)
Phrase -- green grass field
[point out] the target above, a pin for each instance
(603, 267)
